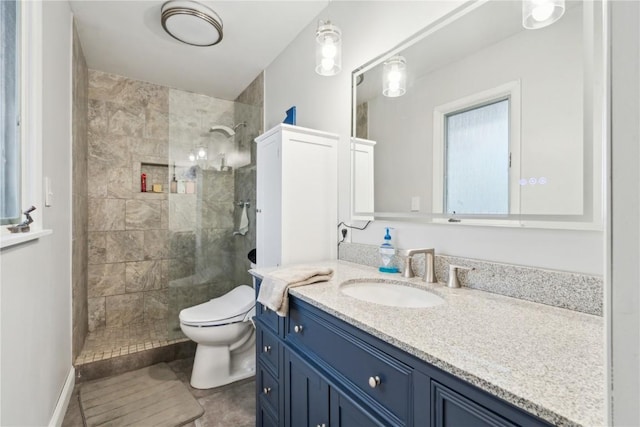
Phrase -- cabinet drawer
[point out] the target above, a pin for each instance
(268, 317)
(268, 350)
(451, 409)
(268, 389)
(358, 362)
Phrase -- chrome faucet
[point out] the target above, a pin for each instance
(429, 271)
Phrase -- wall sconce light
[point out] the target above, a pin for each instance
(394, 81)
(328, 49)
(541, 13)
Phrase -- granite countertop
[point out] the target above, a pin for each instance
(546, 360)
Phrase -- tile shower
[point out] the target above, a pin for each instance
(150, 254)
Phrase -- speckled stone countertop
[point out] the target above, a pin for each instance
(546, 360)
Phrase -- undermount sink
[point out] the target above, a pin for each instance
(390, 292)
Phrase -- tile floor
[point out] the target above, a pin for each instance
(232, 405)
(104, 343)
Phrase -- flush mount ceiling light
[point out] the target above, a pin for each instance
(541, 13)
(394, 81)
(328, 49)
(191, 22)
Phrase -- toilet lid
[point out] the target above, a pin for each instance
(228, 308)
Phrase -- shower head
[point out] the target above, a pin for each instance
(226, 129)
(223, 129)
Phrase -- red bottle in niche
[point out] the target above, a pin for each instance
(143, 182)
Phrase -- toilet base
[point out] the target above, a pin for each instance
(215, 366)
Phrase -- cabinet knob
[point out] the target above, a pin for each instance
(266, 390)
(321, 425)
(266, 349)
(297, 329)
(374, 381)
(259, 210)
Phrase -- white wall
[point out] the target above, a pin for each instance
(35, 306)
(624, 308)
(370, 28)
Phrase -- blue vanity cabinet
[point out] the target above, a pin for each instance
(315, 370)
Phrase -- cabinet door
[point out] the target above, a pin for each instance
(451, 409)
(345, 413)
(362, 179)
(268, 202)
(309, 197)
(306, 394)
(264, 417)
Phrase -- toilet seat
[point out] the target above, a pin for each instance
(232, 307)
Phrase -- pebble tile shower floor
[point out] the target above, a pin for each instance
(105, 343)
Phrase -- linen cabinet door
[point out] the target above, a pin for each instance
(306, 394)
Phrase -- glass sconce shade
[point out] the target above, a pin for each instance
(394, 81)
(328, 49)
(541, 13)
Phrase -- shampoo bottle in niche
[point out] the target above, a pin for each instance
(387, 251)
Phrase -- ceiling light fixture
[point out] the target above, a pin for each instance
(394, 82)
(328, 49)
(191, 22)
(541, 13)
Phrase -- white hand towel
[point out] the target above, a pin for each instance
(274, 290)
(244, 221)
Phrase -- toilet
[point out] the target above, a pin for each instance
(224, 332)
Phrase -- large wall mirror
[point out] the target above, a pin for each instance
(477, 120)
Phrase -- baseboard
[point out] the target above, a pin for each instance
(63, 400)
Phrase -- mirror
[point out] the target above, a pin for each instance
(498, 124)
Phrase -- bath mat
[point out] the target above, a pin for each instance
(151, 396)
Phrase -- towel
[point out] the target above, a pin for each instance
(274, 290)
(244, 221)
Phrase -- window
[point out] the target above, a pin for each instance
(476, 153)
(10, 173)
(477, 160)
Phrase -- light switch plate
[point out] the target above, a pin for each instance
(415, 204)
(48, 194)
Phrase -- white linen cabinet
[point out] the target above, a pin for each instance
(296, 196)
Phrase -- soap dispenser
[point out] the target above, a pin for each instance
(387, 251)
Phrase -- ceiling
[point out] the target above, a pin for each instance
(126, 38)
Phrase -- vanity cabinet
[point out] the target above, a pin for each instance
(318, 371)
(296, 196)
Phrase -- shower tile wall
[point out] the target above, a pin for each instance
(362, 120)
(249, 109)
(201, 222)
(79, 263)
(152, 254)
(128, 234)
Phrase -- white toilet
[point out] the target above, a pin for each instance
(225, 335)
